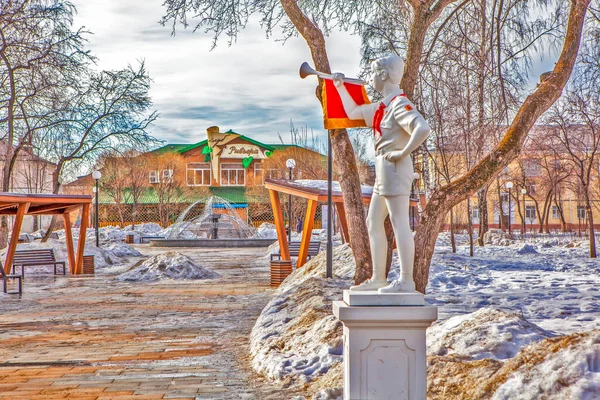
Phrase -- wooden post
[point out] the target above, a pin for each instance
(309, 221)
(284, 249)
(14, 238)
(69, 242)
(343, 221)
(85, 216)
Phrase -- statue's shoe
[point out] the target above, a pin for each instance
(399, 287)
(368, 285)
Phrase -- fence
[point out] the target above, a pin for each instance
(256, 214)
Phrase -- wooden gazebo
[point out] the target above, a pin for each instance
(20, 205)
(314, 196)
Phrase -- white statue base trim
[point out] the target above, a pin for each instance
(385, 351)
(372, 298)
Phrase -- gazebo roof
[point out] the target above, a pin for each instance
(314, 189)
(40, 204)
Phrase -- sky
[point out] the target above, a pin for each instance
(252, 87)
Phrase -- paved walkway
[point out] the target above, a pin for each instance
(97, 338)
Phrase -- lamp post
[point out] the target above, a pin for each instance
(97, 175)
(414, 195)
(509, 186)
(290, 164)
(524, 192)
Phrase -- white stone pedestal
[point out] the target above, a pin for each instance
(384, 351)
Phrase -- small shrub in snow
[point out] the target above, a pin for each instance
(169, 265)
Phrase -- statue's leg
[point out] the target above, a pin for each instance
(398, 207)
(375, 223)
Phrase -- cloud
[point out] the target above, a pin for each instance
(252, 86)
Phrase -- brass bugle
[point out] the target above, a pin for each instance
(306, 70)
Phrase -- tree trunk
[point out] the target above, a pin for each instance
(345, 162)
(521, 214)
(452, 239)
(442, 200)
(470, 226)
(561, 215)
(483, 214)
(500, 206)
(590, 219)
(55, 190)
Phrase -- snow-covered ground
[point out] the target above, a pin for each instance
(510, 296)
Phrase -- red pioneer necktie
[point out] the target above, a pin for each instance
(378, 117)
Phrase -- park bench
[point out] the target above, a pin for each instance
(313, 249)
(5, 279)
(147, 239)
(29, 258)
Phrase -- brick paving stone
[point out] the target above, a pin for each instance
(98, 338)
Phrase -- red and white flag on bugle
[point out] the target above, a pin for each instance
(334, 115)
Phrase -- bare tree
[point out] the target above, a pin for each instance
(576, 120)
(114, 181)
(109, 110)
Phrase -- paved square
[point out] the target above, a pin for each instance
(98, 338)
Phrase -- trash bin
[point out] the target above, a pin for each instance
(88, 265)
(280, 269)
(130, 238)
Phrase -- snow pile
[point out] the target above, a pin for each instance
(559, 368)
(486, 333)
(121, 249)
(296, 335)
(267, 231)
(526, 248)
(104, 256)
(497, 237)
(169, 265)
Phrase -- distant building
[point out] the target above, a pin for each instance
(30, 174)
(171, 178)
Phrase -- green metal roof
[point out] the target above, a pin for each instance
(232, 194)
(205, 142)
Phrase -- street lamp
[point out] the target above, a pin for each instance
(290, 164)
(97, 175)
(509, 186)
(524, 228)
(414, 194)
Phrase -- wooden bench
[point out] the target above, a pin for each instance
(29, 258)
(313, 249)
(5, 279)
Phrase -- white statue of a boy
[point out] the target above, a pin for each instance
(399, 129)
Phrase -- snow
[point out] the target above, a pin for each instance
(171, 265)
(322, 185)
(267, 231)
(485, 333)
(510, 297)
(564, 368)
(296, 335)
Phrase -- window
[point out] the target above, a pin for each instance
(153, 176)
(530, 213)
(532, 168)
(475, 214)
(581, 212)
(555, 213)
(167, 176)
(198, 174)
(261, 174)
(504, 197)
(233, 174)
